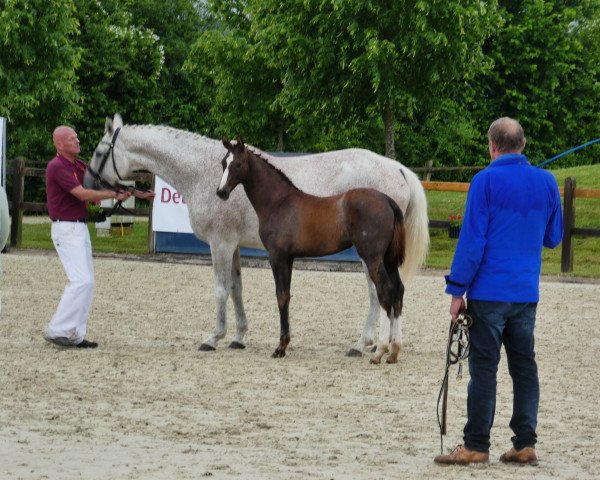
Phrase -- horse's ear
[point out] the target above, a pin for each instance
(227, 143)
(240, 141)
(108, 126)
(117, 121)
(112, 124)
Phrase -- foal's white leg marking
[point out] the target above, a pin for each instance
(384, 336)
(236, 295)
(368, 334)
(395, 339)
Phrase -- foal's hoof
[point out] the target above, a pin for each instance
(205, 347)
(353, 352)
(375, 361)
(278, 354)
(237, 345)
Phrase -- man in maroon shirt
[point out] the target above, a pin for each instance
(67, 206)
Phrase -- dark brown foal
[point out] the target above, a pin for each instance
(295, 224)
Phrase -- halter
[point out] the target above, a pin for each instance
(117, 187)
(459, 343)
(98, 174)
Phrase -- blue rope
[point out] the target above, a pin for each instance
(569, 151)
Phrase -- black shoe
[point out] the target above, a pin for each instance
(87, 344)
(60, 341)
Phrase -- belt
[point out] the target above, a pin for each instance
(71, 221)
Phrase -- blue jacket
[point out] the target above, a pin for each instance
(512, 210)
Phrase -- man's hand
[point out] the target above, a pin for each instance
(146, 195)
(457, 305)
(122, 195)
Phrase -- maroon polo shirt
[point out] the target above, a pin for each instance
(62, 176)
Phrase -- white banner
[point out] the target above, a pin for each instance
(169, 211)
(3, 123)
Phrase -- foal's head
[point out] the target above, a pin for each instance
(235, 167)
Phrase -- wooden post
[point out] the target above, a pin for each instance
(428, 167)
(566, 261)
(16, 227)
(151, 245)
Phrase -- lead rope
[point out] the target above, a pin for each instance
(457, 351)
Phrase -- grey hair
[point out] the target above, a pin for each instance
(507, 135)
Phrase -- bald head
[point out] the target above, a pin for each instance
(66, 142)
(506, 135)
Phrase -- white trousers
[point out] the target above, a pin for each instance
(72, 242)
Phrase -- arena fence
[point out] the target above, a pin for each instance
(18, 171)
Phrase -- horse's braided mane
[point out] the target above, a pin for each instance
(178, 132)
(262, 155)
(196, 136)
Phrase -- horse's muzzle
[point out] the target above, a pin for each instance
(222, 194)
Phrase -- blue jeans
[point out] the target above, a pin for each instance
(494, 324)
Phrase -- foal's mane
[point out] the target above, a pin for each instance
(261, 155)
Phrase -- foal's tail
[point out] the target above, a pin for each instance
(394, 255)
(417, 226)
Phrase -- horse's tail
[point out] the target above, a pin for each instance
(417, 226)
(395, 252)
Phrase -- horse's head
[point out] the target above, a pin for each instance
(235, 167)
(109, 163)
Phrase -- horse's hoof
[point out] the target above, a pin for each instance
(375, 361)
(353, 352)
(392, 360)
(278, 354)
(205, 347)
(237, 345)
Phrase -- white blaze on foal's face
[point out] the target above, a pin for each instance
(226, 173)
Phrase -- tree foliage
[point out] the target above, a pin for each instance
(243, 85)
(120, 68)
(347, 60)
(547, 74)
(37, 70)
(422, 79)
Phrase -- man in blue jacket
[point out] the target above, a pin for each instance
(513, 210)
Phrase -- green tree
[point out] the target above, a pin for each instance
(242, 85)
(547, 74)
(345, 61)
(37, 72)
(182, 98)
(120, 68)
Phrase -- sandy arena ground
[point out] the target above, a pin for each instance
(147, 405)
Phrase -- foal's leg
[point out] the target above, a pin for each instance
(222, 260)
(395, 339)
(386, 295)
(368, 334)
(282, 272)
(238, 304)
(384, 337)
(396, 321)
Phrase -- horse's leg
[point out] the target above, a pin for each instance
(282, 272)
(387, 298)
(236, 295)
(222, 260)
(396, 321)
(368, 334)
(384, 337)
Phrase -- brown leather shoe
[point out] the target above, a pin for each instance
(461, 456)
(525, 456)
